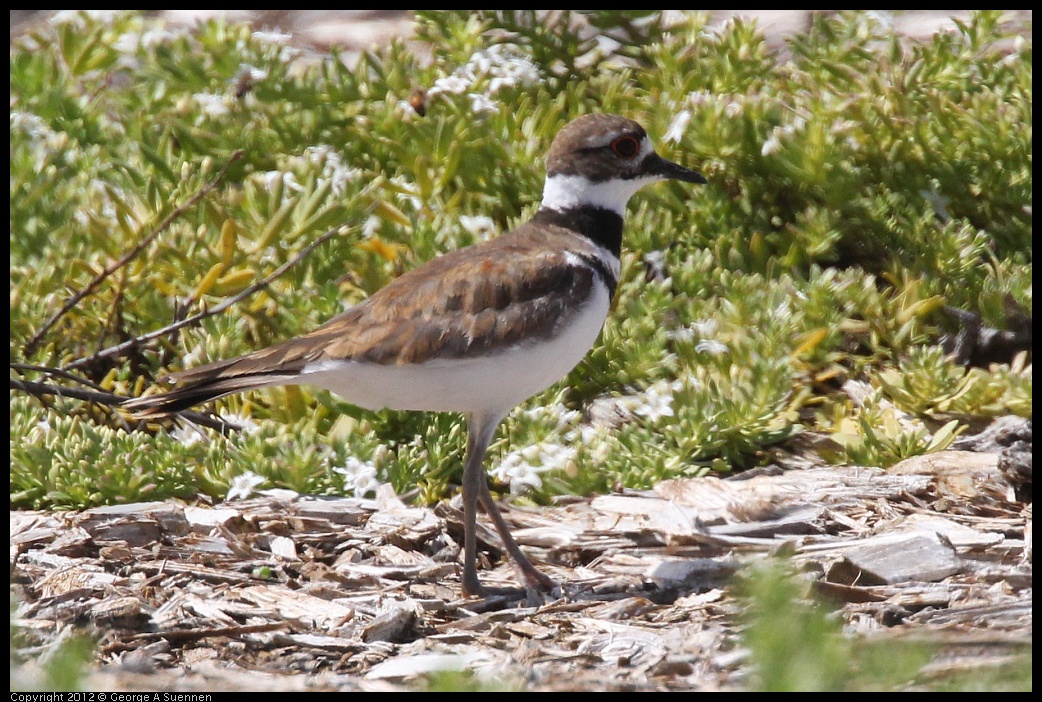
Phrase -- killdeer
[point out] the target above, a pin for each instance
(478, 330)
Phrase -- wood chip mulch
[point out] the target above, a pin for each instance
(287, 592)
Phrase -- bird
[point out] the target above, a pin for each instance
(477, 330)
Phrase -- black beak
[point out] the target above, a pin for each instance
(656, 165)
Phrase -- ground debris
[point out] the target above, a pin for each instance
(352, 595)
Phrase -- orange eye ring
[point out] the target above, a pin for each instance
(626, 147)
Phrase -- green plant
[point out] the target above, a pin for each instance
(858, 184)
(878, 435)
(797, 644)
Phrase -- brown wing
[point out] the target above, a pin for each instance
(469, 302)
(502, 292)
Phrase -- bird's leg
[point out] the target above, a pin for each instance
(479, 435)
(475, 488)
(531, 575)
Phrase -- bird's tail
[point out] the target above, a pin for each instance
(203, 384)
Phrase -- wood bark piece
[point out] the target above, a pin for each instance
(919, 556)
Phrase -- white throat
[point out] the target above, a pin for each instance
(565, 192)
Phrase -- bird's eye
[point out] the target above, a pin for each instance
(627, 147)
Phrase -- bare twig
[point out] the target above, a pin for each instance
(259, 285)
(109, 399)
(30, 367)
(43, 389)
(181, 636)
(130, 255)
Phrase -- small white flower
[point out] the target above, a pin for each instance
(213, 105)
(407, 192)
(589, 433)
(127, 43)
(697, 98)
(280, 41)
(338, 173)
(246, 424)
(454, 84)
(566, 418)
(38, 433)
(676, 128)
(251, 72)
(522, 469)
(501, 65)
(195, 357)
(519, 474)
(705, 328)
(778, 134)
(270, 179)
(187, 434)
(682, 334)
(244, 485)
(656, 403)
(44, 142)
(537, 412)
(772, 145)
(507, 65)
(359, 476)
(1012, 59)
(712, 347)
(482, 103)
(555, 456)
(130, 42)
(320, 155)
(479, 226)
(371, 226)
(31, 124)
(289, 180)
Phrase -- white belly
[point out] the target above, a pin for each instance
(490, 383)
